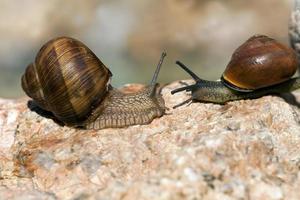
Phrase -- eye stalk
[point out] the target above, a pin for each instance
(192, 74)
(154, 78)
(187, 88)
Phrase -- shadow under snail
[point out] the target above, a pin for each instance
(70, 81)
(260, 66)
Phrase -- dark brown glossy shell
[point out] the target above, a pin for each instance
(259, 62)
(66, 79)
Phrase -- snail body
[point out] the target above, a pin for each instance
(71, 82)
(258, 67)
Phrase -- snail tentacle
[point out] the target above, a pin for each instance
(155, 75)
(192, 74)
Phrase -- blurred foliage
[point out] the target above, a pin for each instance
(129, 35)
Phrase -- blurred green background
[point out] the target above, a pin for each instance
(129, 35)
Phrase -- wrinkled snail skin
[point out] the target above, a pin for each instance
(259, 67)
(121, 110)
(69, 80)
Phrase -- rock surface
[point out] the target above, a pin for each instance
(248, 149)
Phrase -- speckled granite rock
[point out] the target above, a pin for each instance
(247, 149)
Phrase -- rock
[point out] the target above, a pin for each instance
(248, 149)
(294, 28)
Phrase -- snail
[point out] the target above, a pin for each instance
(71, 82)
(260, 66)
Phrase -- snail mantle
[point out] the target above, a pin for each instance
(243, 149)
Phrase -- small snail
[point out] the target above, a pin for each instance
(70, 81)
(258, 67)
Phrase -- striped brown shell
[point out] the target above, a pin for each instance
(66, 79)
(259, 62)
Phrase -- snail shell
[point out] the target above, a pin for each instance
(259, 62)
(60, 82)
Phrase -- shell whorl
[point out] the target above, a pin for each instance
(32, 87)
(69, 77)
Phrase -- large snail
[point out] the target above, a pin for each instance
(258, 67)
(69, 80)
